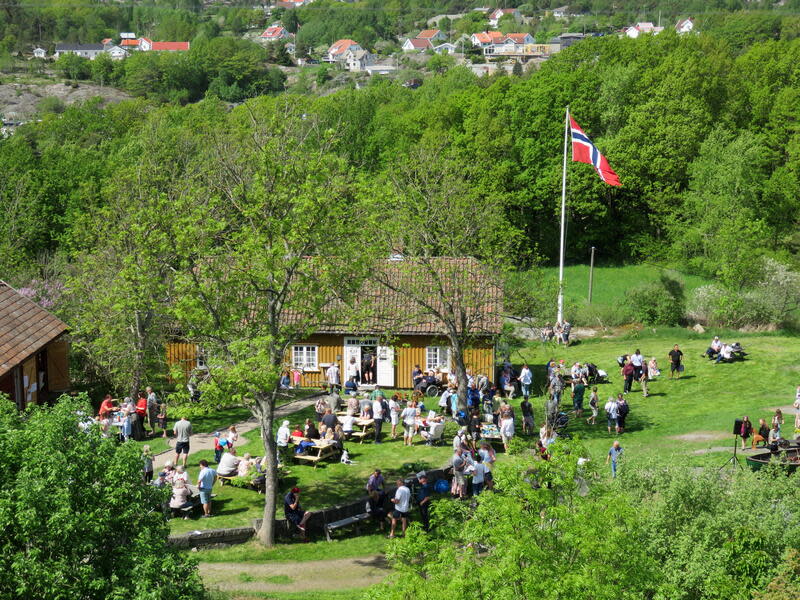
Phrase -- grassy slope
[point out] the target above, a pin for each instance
(610, 283)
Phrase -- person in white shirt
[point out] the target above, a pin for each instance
(351, 371)
(525, 380)
(478, 475)
(348, 423)
(714, 348)
(228, 464)
(725, 353)
(402, 506)
(377, 416)
(283, 435)
(611, 413)
(637, 360)
(334, 379)
(409, 418)
(444, 400)
(394, 414)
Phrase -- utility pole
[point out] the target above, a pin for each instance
(591, 275)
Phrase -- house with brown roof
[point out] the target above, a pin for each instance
(392, 334)
(34, 365)
(417, 45)
(274, 33)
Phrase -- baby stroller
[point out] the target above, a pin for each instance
(596, 375)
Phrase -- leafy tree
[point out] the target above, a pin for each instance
(77, 520)
(268, 241)
(431, 187)
(73, 66)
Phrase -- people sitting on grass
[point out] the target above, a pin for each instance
(245, 466)
(228, 464)
(652, 368)
(180, 497)
(293, 512)
(714, 348)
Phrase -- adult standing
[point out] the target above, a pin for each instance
(746, 431)
(282, 440)
(611, 413)
(459, 465)
(334, 378)
(797, 408)
(566, 328)
(556, 386)
(394, 414)
(577, 398)
(183, 433)
(377, 417)
(614, 454)
(416, 376)
(351, 370)
(527, 417)
(628, 372)
(152, 407)
(558, 331)
(402, 506)
(622, 413)
(205, 483)
(424, 496)
(375, 483)
(293, 512)
(526, 380)
(478, 475)
(409, 416)
(675, 361)
(643, 379)
(637, 360)
(367, 368)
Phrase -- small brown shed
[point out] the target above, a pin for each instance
(34, 363)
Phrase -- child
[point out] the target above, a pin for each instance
(162, 418)
(593, 402)
(147, 459)
(217, 447)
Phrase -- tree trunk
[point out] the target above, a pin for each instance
(138, 356)
(461, 371)
(265, 404)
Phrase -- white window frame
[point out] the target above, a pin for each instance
(305, 357)
(437, 357)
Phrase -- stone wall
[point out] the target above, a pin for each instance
(315, 526)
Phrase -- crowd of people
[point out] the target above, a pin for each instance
(129, 419)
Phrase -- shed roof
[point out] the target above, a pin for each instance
(25, 327)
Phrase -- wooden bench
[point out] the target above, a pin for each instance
(322, 451)
(354, 520)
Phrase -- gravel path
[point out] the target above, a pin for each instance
(321, 575)
(205, 441)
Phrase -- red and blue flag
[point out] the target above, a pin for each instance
(583, 150)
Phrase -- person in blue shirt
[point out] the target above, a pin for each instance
(614, 455)
(205, 482)
(424, 496)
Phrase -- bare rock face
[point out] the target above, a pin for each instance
(19, 101)
(699, 328)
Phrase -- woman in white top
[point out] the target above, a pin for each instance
(180, 475)
(506, 431)
(282, 439)
(409, 416)
(232, 436)
(394, 414)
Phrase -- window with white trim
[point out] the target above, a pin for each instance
(304, 357)
(437, 357)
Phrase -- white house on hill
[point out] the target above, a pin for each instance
(499, 13)
(685, 26)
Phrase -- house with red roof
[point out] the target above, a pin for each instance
(484, 39)
(499, 13)
(684, 26)
(337, 51)
(130, 44)
(432, 35)
(417, 45)
(274, 33)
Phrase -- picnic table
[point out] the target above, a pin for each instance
(364, 424)
(491, 433)
(320, 450)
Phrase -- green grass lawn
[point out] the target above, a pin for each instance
(701, 406)
(330, 483)
(351, 547)
(610, 283)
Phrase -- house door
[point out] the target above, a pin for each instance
(352, 360)
(385, 366)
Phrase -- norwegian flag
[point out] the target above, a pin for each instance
(583, 150)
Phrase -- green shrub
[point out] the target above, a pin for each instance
(657, 303)
(50, 105)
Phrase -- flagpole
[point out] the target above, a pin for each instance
(563, 223)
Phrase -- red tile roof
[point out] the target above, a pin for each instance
(341, 46)
(129, 43)
(170, 46)
(273, 32)
(420, 44)
(25, 328)
(517, 38)
(427, 34)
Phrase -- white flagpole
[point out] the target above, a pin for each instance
(563, 223)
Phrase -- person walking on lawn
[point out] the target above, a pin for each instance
(675, 362)
(628, 372)
(525, 380)
(614, 454)
(611, 413)
(622, 413)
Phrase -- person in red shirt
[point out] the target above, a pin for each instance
(106, 407)
(141, 407)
